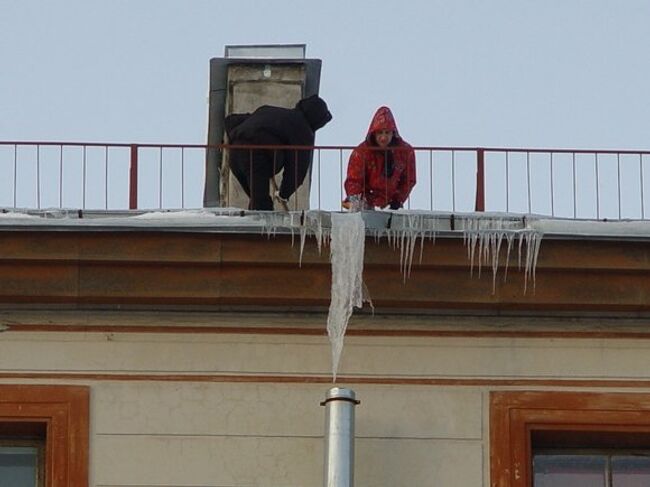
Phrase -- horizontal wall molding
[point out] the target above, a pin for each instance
(258, 330)
(327, 379)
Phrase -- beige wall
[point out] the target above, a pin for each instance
(221, 424)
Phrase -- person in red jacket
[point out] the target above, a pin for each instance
(381, 170)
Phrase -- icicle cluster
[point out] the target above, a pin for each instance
(403, 235)
(484, 237)
(483, 234)
(312, 223)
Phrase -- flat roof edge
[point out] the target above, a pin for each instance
(238, 221)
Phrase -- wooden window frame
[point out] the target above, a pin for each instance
(64, 413)
(515, 415)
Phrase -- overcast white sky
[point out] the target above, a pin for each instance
(511, 73)
(554, 73)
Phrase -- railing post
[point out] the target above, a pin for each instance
(133, 179)
(480, 180)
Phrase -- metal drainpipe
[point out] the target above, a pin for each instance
(339, 437)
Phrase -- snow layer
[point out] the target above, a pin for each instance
(201, 218)
(619, 228)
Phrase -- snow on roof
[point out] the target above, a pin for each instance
(596, 228)
(238, 220)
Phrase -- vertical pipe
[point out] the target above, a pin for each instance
(133, 179)
(480, 180)
(339, 437)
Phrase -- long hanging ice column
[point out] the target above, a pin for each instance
(346, 254)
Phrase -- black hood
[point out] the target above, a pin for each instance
(315, 110)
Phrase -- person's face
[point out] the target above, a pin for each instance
(383, 137)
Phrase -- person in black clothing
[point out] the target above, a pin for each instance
(269, 125)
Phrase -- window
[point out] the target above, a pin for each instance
(43, 436)
(22, 463)
(560, 439)
(591, 468)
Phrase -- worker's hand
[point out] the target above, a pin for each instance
(276, 196)
(284, 203)
(355, 203)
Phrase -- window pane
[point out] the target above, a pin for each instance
(630, 471)
(18, 466)
(569, 470)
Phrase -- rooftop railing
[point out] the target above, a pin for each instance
(567, 183)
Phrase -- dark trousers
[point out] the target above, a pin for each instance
(253, 169)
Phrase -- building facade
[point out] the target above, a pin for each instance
(166, 356)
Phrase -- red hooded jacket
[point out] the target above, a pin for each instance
(368, 175)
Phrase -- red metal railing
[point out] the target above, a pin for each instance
(571, 183)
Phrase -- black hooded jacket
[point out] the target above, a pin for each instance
(270, 125)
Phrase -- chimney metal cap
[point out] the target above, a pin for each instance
(340, 394)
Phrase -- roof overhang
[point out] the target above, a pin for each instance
(232, 259)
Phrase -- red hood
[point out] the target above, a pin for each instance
(383, 120)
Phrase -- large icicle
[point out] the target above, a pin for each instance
(346, 254)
